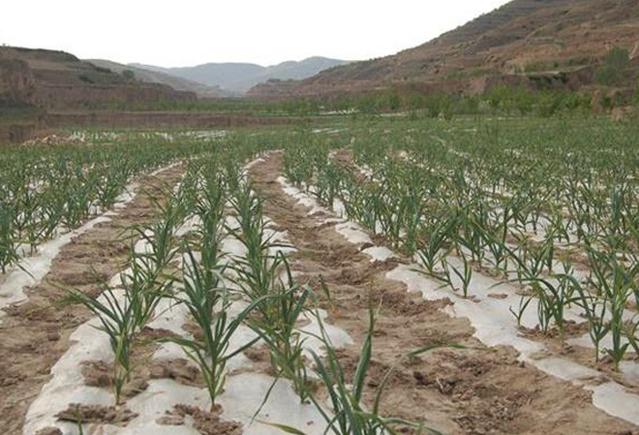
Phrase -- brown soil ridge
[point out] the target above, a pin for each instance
(475, 390)
(35, 334)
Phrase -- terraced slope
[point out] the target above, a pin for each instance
(57, 80)
(520, 39)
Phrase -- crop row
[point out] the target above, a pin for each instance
(561, 219)
(224, 292)
(45, 191)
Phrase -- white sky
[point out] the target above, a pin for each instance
(190, 32)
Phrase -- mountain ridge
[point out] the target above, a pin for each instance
(239, 77)
(150, 76)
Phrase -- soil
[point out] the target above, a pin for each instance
(473, 390)
(208, 423)
(81, 414)
(35, 334)
(180, 370)
(97, 414)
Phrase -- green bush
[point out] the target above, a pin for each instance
(85, 78)
(128, 75)
(614, 66)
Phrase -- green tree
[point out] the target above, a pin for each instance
(614, 66)
(394, 102)
(128, 75)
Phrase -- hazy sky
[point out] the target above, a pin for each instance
(190, 32)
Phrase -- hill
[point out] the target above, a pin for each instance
(240, 77)
(151, 76)
(523, 42)
(55, 80)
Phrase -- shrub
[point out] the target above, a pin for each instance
(85, 78)
(615, 63)
(128, 75)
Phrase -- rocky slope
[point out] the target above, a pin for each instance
(528, 42)
(54, 80)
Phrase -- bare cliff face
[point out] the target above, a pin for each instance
(17, 84)
(520, 40)
(59, 81)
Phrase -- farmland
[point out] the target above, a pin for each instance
(358, 276)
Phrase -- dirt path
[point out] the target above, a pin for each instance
(476, 390)
(35, 334)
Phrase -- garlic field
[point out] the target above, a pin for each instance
(367, 277)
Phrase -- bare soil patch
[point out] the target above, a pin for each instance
(97, 414)
(208, 423)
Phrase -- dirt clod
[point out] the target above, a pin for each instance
(180, 370)
(78, 413)
(207, 422)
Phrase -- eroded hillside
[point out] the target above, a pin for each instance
(561, 41)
